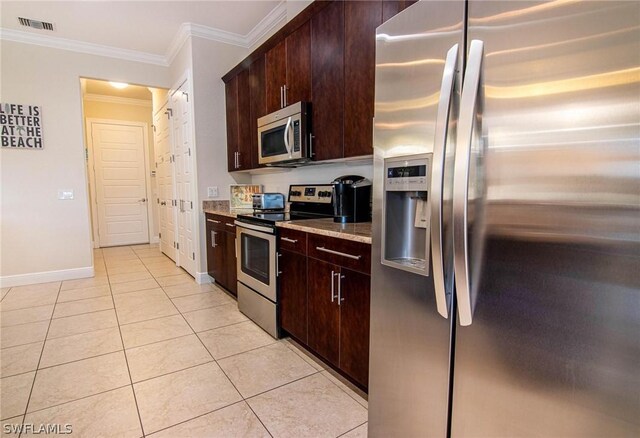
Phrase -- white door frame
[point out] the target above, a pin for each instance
(92, 173)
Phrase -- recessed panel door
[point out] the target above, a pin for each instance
(184, 166)
(164, 179)
(118, 155)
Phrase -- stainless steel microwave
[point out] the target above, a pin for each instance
(284, 137)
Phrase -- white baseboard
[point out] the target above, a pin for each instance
(155, 239)
(46, 277)
(203, 278)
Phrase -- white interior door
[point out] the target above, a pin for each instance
(183, 161)
(120, 183)
(164, 178)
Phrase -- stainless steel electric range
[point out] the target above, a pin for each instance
(258, 282)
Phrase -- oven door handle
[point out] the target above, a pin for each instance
(286, 136)
(255, 227)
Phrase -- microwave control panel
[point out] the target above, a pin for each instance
(408, 173)
(320, 193)
(296, 136)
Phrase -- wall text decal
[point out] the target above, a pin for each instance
(20, 126)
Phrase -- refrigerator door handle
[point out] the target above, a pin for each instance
(437, 177)
(470, 107)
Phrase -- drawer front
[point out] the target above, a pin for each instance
(347, 253)
(217, 222)
(293, 240)
(229, 224)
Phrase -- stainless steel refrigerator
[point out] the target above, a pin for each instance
(506, 214)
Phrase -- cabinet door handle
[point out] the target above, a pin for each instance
(213, 220)
(230, 225)
(286, 239)
(343, 254)
(235, 246)
(333, 276)
(281, 97)
(311, 154)
(340, 277)
(213, 239)
(285, 94)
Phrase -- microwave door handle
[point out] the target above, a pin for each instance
(286, 136)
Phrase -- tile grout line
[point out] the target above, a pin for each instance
(350, 430)
(35, 375)
(221, 369)
(126, 360)
(316, 371)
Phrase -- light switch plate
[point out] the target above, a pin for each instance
(212, 192)
(65, 195)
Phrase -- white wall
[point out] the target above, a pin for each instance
(316, 174)
(210, 61)
(42, 238)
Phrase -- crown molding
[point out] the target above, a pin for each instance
(186, 31)
(189, 30)
(117, 99)
(271, 20)
(19, 36)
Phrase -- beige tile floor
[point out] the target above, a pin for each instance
(142, 350)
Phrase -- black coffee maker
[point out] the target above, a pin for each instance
(351, 199)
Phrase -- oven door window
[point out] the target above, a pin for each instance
(254, 255)
(272, 142)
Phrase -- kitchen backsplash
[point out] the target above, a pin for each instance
(215, 205)
(318, 174)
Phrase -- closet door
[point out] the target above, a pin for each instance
(185, 180)
(164, 180)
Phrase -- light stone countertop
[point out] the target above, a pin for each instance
(226, 211)
(358, 232)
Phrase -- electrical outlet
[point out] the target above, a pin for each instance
(65, 195)
(212, 192)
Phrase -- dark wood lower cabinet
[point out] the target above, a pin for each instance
(339, 317)
(324, 314)
(354, 325)
(216, 255)
(293, 294)
(221, 253)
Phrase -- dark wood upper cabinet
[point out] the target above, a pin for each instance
(299, 65)
(361, 19)
(288, 70)
(327, 79)
(276, 75)
(354, 325)
(244, 122)
(393, 7)
(324, 314)
(258, 104)
(293, 294)
(231, 96)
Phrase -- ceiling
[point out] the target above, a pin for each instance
(103, 88)
(144, 26)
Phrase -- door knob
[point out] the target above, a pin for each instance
(143, 200)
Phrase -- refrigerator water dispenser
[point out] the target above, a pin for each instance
(405, 228)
